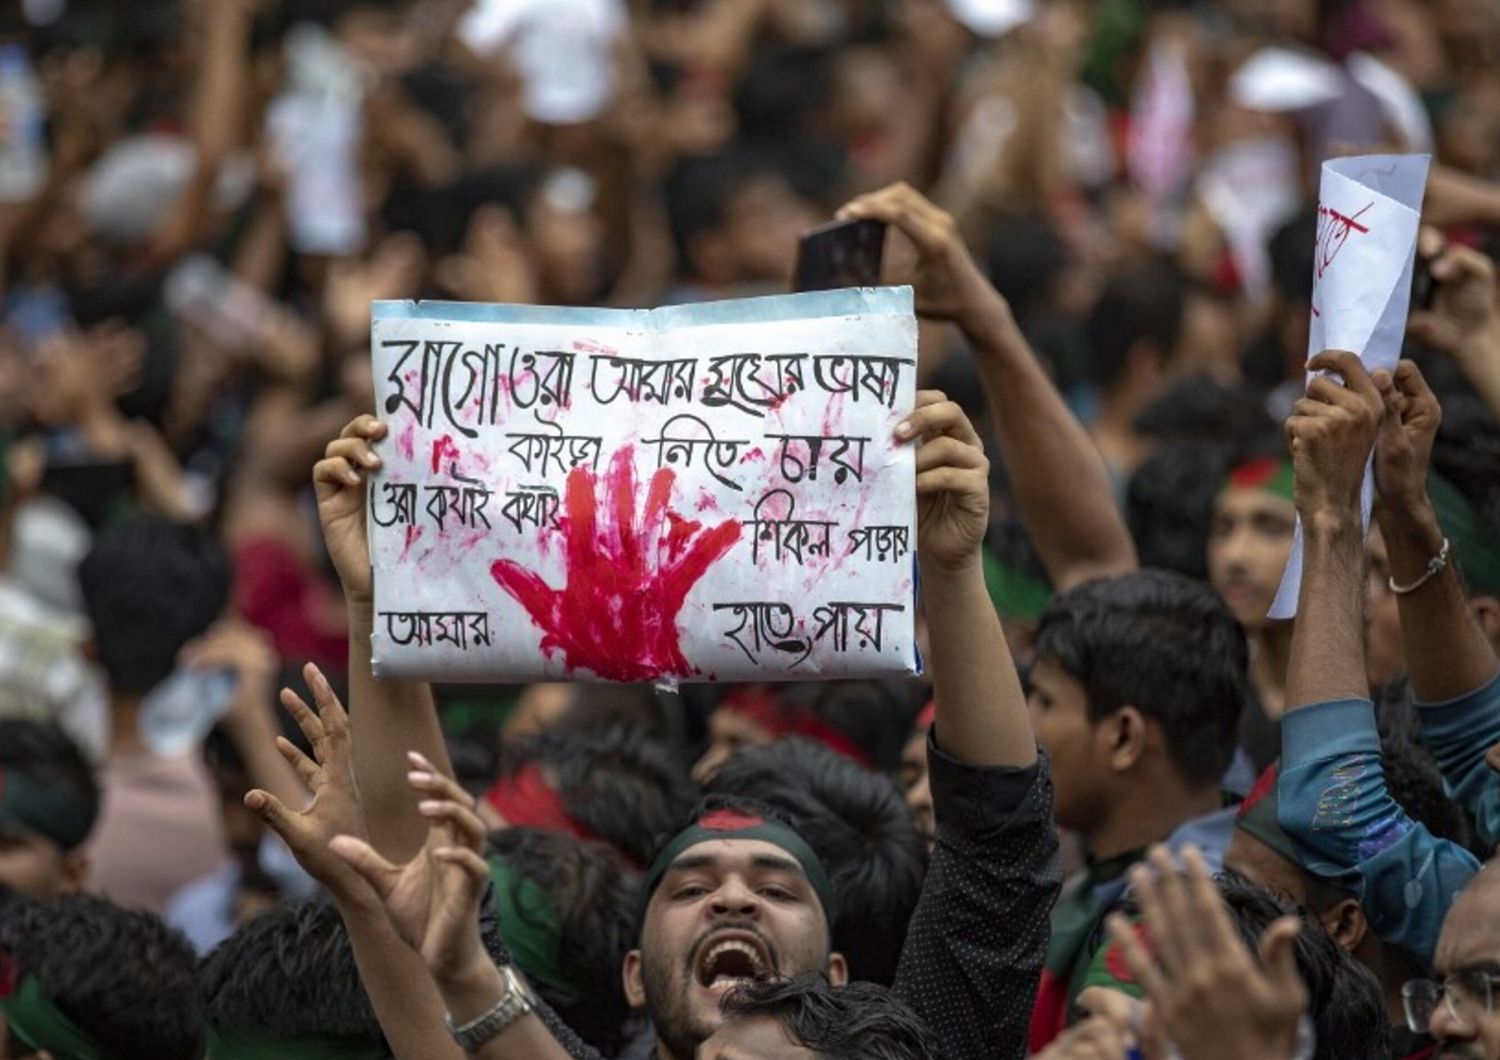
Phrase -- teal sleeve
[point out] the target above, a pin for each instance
(1459, 732)
(1334, 806)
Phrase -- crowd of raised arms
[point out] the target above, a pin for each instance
(1121, 814)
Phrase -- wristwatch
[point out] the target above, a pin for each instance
(513, 1004)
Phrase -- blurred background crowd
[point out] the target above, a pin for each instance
(200, 198)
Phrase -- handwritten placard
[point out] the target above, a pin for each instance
(1369, 209)
(692, 493)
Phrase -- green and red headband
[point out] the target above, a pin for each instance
(1257, 817)
(1271, 474)
(526, 800)
(733, 824)
(532, 927)
(35, 1020)
(759, 704)
(53, 811)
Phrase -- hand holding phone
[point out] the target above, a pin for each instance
(840, 254)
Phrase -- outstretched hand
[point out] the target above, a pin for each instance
(953, 486)
(432, 900)
(340, 480)
(1211, 997)
(329, 775)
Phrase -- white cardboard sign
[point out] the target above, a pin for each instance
(695, 493)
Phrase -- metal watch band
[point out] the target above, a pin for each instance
(516, 1002)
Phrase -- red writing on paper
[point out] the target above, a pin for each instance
(628, 575)
(1334, 230)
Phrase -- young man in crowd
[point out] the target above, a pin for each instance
(1249, 541)
(285, 984)
(1136, 693)
(80, 977)
(151, 587)
(48, 803)
(738, 894)
(614, 784)
(858, 719)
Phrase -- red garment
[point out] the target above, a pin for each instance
(274, 591)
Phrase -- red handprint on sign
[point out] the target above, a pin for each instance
(626, 579)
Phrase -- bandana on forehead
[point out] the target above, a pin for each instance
(735, 824)
(1271, 474)
(759, 705)
(526, 800)
(33, 1019)
(1257, 817)
(32, 807)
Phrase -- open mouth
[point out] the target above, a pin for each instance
(729, 961)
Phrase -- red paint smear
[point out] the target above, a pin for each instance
(627, 577)
(413, 533)
(406, 442)
(590, 346)
(443, 449)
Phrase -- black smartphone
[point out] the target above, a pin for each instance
(1423, 284)
(840, 254)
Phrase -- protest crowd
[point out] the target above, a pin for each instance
(1117, 812)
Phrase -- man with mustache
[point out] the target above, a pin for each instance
(738, 895)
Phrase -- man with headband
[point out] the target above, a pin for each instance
(81, 979)
(1249, 541)
(48, 803)
(740, 895)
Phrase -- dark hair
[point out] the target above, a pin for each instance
(289, 973)
(48, 755)
(596, 902)
(698, 193)
(1169, 506)
(1291, 252)
(860, 1021)
(1164, 644)
(150, 586)
(1199, 409)
(1027, 255)
(121, 975)
(1140, 303)
(615, 780)
(874, 715)
(859, 826)
(1344, 998)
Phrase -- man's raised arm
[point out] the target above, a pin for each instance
(973, 953)
(1333, 800)
(1059, 478)
(1453, 669)
(388, 718)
